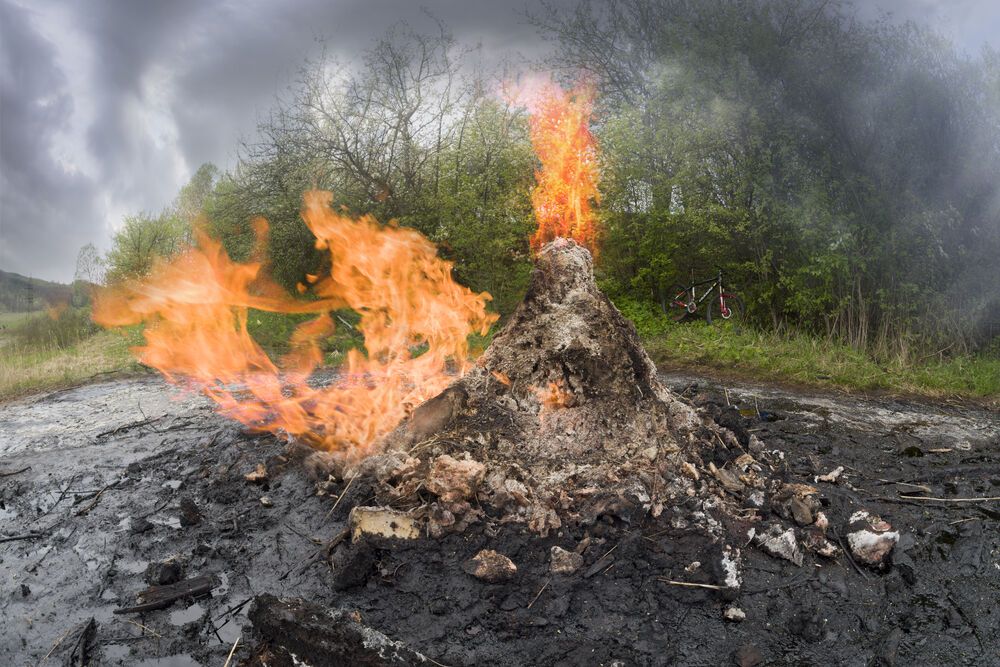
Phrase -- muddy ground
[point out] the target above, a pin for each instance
(172, 476)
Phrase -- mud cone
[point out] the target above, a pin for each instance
(563, 420)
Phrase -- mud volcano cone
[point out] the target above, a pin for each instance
(562, 420)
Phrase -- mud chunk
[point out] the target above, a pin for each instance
(352, 566)
(747, 655)
(564, 562)
(433, 415)
(455, 479)
(490, 566)
(780, 543)
(297, 632)
(190, 514)
(383, 522)
(870, 538)
(166, 572)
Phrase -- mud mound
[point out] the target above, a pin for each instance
(562, 420)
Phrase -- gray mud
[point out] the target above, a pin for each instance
(154, 451)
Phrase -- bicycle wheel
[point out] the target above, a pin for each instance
(674, 302)
(734, 305)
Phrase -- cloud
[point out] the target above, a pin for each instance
(48, 206)
(108, 106)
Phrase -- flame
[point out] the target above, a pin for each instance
(195, 307)
(553, 396)
(567, 182)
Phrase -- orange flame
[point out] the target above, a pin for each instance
(567, 182)
(195, 307)
(555, 395)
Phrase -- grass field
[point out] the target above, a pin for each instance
(816, 361)
(31, 364)
(37, 353)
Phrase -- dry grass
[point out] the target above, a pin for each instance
(26, 369)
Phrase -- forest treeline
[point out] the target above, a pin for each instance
(844, 173)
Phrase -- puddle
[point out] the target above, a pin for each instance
(183, 616)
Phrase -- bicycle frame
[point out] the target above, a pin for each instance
(692, 305)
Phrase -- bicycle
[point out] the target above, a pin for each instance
(680, 302)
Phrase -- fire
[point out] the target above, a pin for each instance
(567, 182)
(415, 320)
(555, 395)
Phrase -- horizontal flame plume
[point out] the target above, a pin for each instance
(195, 308)
(559, 125)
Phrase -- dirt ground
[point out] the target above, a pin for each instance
(101, 481)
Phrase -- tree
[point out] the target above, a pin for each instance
(90, 271)
(141, 240)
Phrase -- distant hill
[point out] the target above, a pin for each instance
(20, 294)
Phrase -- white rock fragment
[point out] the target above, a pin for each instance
(734, 614)
(870, 538)
(731, 567)
(780, 544)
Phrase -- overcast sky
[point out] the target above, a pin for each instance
(107, 107)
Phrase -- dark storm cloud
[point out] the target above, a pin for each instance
(48, 210)
(108, 106)
(161, 87)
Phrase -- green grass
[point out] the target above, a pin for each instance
(804, 359)
(13, 319)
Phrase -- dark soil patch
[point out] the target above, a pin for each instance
(179, 490)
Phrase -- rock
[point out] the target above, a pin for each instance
(830, 477)
(490, 566)
(734, 614)
(139, 525)
(564, 562)
(258, 475)
(266, 501)
(455, 479)
(798, 502)
(870, 538)
(816, 541)
(729, 481)
(166, 572)
(190, 514)
(780, 543)
(801, 512)
(383, 522)
(747, 655)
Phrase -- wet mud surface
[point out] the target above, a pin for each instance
(125, 474)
